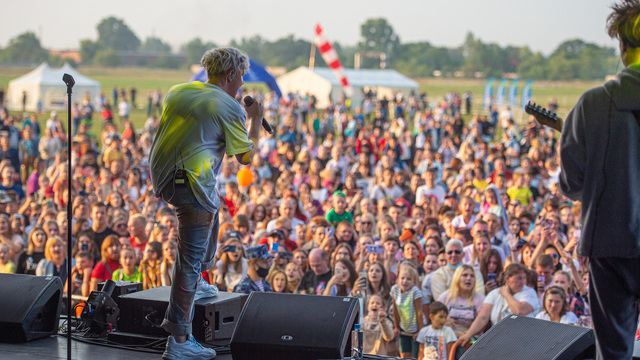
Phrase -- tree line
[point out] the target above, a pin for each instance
(572, 59)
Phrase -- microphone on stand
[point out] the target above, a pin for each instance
(248, 100)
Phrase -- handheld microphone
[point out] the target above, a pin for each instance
(248, 100)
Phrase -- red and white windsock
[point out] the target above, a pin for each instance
(331, 58)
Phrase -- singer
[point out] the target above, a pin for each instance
(199, 124)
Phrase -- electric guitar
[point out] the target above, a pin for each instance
(544, 116)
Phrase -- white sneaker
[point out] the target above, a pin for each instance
(187, 350)
(205, 290)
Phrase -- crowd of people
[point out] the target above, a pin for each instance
(441, 227)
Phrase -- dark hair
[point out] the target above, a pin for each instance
(545, 261)
(156, 247)
(437, 307)
(556, 290)
(385, 288)
(353, 276)
(484, 265)
(514, 269)
(622, 23)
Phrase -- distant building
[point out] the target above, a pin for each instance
(73, 55)
(146, 59)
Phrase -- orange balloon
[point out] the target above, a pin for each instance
(245, 177)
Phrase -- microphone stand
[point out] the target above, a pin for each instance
(69, 81)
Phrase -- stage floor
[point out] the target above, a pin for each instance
(55, 347)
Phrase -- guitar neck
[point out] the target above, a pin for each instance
(544, 116)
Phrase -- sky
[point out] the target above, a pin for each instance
(540, 24)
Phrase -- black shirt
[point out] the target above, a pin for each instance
(99, 237)
(27, 263)
(314, 284)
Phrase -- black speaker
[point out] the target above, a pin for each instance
(29, 306)
(520, 337)
(289, 326)
(214, 318)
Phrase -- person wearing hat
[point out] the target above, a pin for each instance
(278, 236)
(257, 270)
(339, 213)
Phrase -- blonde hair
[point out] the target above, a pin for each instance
(404, 266)
(52, 241)
(219, 61)
(455, 284)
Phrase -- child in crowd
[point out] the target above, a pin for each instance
(129, 270)
(6, 266)
(407, 310)
(377, 327)
(150, 265)
(339, 212)
(169, 253)
(81, 274)
(519, 190)
(436, 339)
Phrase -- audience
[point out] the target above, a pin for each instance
(396, 211)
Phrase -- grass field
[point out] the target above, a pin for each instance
(145, 80)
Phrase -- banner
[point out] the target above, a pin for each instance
(488, 94)
(527, 89)
(502, 92)
(330, 57)
(513, 94)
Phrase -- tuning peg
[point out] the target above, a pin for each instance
(544, 109)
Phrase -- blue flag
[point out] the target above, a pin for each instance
(488, 94)
(527, 89)
(513, 94)
(502, 92)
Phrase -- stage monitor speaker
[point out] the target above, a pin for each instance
(289, 326)
(214, 318)
(122, 288)
(520, 337)
(30, 307)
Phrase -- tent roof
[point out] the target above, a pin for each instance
(369, 77)
(45, 75)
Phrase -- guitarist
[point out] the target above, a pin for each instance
(600, 153)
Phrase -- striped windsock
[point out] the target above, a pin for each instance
(331, 58)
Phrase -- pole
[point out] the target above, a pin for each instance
(69, 81)
(312, 56)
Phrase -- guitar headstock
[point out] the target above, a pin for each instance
(544, 116)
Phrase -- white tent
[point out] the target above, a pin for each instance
(324, 85)
(44, 84)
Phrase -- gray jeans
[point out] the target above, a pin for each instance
(197, 240)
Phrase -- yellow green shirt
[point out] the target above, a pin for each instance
(523, 194)
(199, 124)
(8, 268)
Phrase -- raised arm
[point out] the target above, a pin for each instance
(256, 113)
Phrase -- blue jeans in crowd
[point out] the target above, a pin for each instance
(197, 240)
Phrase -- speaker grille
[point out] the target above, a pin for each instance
(524, 338)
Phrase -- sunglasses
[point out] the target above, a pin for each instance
(457, 252)
(555, 256)
(121, 225)
(366, 222)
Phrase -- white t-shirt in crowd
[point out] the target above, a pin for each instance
(501, 308)
(569, 318)
(435, 342)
